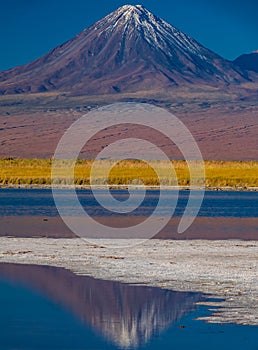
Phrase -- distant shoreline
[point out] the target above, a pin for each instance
(125, 187)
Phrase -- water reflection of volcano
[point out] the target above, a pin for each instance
(128, 316)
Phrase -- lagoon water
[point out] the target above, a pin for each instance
(51, 308)
(40, 202)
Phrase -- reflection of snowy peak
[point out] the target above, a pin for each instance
(133, 326)
(129, 316)
(129, 50)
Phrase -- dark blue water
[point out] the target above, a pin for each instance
(40, 202)
(105, 315)
(29, 320)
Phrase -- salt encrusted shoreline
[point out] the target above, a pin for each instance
(223, 269)
(122, 187)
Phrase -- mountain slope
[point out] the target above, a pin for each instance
(248, 61)
(129, 50)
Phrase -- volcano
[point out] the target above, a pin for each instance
(129, 50)
(248, 61)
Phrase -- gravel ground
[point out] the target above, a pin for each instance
(224, 269)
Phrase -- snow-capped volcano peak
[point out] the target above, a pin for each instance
(138, 13)
(131, 8)
(130, 49)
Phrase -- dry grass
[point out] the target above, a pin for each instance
(38, 172)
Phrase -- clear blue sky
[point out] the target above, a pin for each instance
(31, 28)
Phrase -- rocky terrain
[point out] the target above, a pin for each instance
(248, 61)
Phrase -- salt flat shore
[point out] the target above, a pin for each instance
(225, 270)
(123, 187)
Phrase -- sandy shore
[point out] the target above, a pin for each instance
(223, 269)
